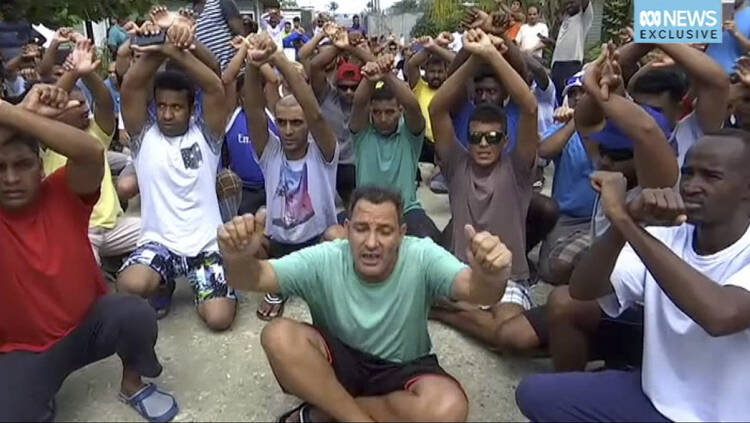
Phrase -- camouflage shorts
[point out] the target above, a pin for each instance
(205, 272)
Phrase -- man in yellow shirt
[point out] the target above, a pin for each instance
(434, 57)
(110, 233)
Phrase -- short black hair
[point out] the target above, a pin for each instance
(25, 140)
(377, 195)
(484, 71)
(296, 19)
(659, 80)
(383, 93)
(489, 113)
(435, 60)
(534, 5)
(174, 80)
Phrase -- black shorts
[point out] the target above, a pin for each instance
(618, 341)
(364, 375)
(280, 249)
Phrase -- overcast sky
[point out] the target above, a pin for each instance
(345, 6)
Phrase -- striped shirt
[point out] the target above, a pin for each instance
(213, 31)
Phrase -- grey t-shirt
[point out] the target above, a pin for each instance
(494, 200)
(338, 113)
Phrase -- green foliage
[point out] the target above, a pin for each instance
(56, 13)
(592, 53)
(406, 6)
(333, 6)
(289, 4)
(617, 14)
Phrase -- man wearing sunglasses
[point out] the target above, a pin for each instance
(490, 186)
(336, 102)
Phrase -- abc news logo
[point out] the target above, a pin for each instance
(678, 18)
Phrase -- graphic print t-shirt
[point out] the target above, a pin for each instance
(300, 194)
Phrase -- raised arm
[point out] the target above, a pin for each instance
(710, 81)
(308, 49)
(229, 76)
(528, 135)
(83, 64)
(34, 117)
(135, 92)
(742, 40)
(413, 116)
(538, 72)
(655, 162)
(442, 104)
(318, 64)
(255, 106)
(553, 145)
(413, 65)
(719, 309)
(360, 117)
(319, 128)
(62, 35)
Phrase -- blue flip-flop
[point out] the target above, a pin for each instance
(153, 404)
(162, 301)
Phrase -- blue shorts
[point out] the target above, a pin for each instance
(205, 272)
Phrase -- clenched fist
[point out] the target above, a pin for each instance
(241, 237)
(486, 253)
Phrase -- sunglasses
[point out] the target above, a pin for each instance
(492, 137)
(346, 88)
(616, 154)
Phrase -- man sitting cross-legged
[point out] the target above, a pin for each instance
(299, 165)
(176, 156)
(54, 315)
(489, 186)
(388, 128)
(693, 279)
(367, 357)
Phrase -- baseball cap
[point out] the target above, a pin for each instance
(574, 81)
(348, 72)
(613, 138)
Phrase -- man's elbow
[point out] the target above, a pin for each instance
(530, 106)
(727, 321)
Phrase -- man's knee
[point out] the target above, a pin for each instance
(517, 335)
(280, 337)
(218, 314)
(127, 187)
(532, 394)
(559, 271)
(560, 305)
(138, 280)
(444, 401)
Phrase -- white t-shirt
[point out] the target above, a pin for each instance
(177, 181)
(572, 36)
(685, 135)
(300, 194)
(546, 101)
(458, 42)
(599, 222)
(528, 39)
(687, 374)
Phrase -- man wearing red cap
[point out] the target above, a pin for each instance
(336, 101)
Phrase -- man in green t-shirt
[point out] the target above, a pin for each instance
(367, 357)
(388, 132)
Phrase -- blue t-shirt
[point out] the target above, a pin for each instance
(242, 159)
(461, 123)
(726, 52)
(571, 187)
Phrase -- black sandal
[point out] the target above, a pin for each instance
(303, 410)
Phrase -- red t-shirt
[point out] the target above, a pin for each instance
(48, 275)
